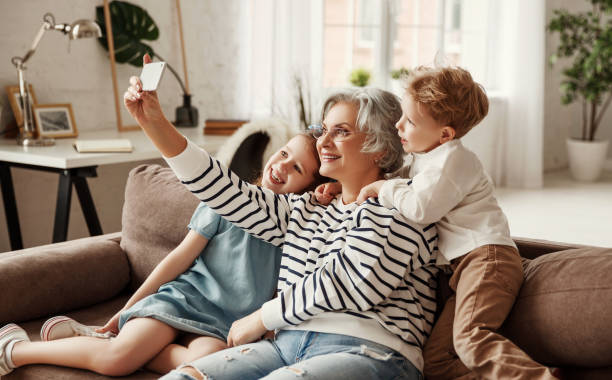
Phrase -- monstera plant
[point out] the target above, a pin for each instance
(132, 25)
(133, 28)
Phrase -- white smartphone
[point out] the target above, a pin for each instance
(151, 75)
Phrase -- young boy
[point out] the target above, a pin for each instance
(449, 187)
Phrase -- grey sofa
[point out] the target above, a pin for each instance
(563, 316)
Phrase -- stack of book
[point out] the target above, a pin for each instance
(222, 126)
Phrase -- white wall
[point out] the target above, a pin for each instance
(561, 121)
(80, 74)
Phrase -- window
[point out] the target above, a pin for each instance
(367, 26)
(384, 35)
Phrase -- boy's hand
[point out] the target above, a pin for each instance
(370, 191)
(326, 192)
(246, 330)
(143, 105)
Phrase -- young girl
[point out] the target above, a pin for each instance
(195, 301)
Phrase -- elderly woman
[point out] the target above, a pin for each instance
(356, 295)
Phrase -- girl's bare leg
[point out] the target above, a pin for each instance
(138, 341)
(191, 347)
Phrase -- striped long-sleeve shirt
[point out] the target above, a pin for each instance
(359, 270)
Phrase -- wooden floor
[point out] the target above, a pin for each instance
(563, 210)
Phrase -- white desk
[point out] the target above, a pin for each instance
(73, 168)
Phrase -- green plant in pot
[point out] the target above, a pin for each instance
(360, 77)
(132, 25)
(585, 41)
(400, 73)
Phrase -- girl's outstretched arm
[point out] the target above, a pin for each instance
(260, 212)
(174, 264)
(145, 108)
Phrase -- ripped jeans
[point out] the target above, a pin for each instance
(303, 355)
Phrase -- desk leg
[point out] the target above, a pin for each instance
(64, 196)
(62, 207)
(87, 205)
(10, 207)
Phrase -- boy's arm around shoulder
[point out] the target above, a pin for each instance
(434, 191)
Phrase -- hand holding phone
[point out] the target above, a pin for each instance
(151, 75)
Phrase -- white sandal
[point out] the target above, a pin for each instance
(9, 335)
(64, 327)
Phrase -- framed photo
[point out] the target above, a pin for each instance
(55, 120)
(13, 97)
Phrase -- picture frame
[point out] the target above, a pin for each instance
(13, 97)
(55, 120)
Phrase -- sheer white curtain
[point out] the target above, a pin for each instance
(280, 41)
(509, 141)
(522, 65)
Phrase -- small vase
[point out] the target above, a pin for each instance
(586, 158)
(186, 115)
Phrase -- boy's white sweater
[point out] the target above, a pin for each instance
(449, 187)
(359, 270)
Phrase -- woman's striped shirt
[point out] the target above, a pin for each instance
(358, 270)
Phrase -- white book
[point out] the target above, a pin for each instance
(101, 146)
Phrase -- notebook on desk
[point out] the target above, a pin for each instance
(103, 146)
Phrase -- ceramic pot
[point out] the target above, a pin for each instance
(586, 158)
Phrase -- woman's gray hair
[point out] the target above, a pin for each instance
(379, 110)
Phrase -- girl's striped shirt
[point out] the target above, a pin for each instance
(358, 270)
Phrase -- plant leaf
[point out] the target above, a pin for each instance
(131, 25)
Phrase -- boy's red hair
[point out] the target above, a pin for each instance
(450, 95)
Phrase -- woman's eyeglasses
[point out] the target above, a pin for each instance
(336, 134)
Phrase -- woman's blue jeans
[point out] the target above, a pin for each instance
(304, 355)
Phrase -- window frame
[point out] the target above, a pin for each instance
(384, 43)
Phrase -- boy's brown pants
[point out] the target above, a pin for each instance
(464, 343)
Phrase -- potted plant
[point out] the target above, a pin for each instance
(360, 77)
(586, 40)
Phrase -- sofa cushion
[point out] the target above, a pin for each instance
(156, 213)
(563, 313)
(68, 275)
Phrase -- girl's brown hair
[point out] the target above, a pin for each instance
(318, 178)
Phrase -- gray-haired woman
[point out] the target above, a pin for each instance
(355, 296)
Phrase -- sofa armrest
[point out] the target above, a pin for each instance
(56, 278)
(532, 248)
